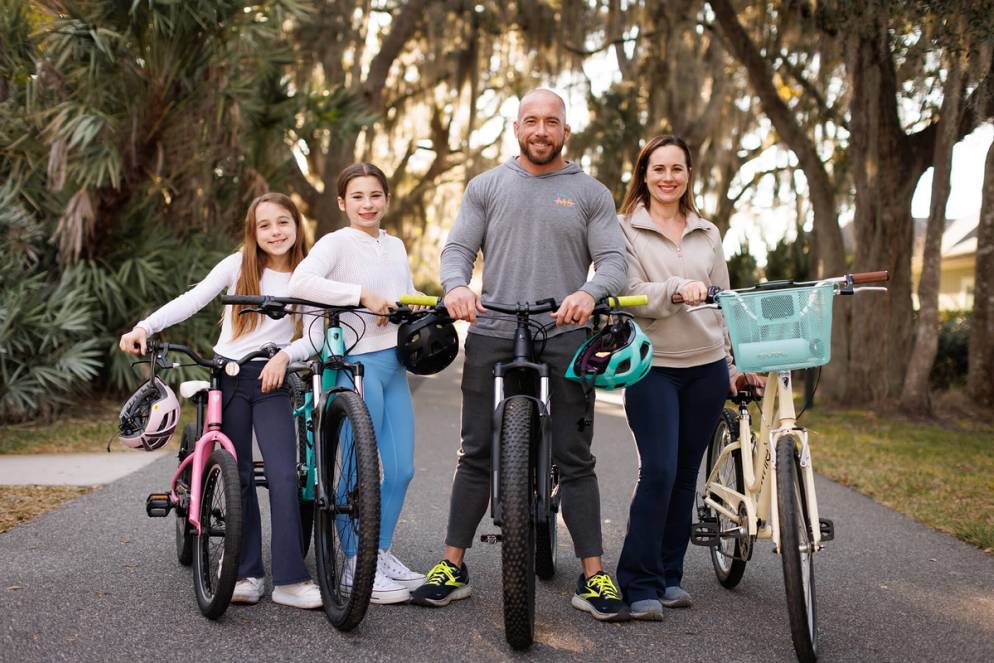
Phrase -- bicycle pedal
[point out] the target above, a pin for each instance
(827, 529)
(705, 533)
(158, 505)
(259, 472)
(491, 538)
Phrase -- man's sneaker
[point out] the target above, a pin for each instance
(248, 591)
(599, 596)
(676, 597)
(445, 584)
(305, 595)
(385, 591)
(396, 570)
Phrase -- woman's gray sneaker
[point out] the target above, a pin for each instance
(649, 610)
(675, 597)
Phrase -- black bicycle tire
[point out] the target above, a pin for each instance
(213, 601)
(346, 609)
(791, 513)
(184, 533)
(518, 528)
(729, 421)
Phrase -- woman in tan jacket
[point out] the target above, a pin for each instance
(674, 410)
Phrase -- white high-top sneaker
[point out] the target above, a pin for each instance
(394, 569)
(385, 590)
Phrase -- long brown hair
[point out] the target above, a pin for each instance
(638, 190)
(360, 169)
(254, 259)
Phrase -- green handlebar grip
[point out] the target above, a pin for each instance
(629, 300)
(419, 300)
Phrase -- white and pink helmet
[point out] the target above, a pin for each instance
(149, 417)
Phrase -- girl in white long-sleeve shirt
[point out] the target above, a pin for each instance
(255, 399)
(363, 265)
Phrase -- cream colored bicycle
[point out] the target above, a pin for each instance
(762, 486)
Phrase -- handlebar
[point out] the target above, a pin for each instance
(605, 307)
(275, 307)
(847, 281)
(157, 347)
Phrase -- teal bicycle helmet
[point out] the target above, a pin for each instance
(617, 356)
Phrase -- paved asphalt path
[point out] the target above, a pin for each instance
(97, 580)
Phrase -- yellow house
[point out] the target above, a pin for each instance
(959, 259)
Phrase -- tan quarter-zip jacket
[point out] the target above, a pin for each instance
(658, 268)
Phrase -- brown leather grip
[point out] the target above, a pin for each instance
(870, 277)
(676, 298)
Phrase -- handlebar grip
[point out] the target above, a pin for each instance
(870, 277)
(242, 299)
(677, 298)
(418, 300)
(628, 300)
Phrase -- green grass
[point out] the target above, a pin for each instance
(941, 473)
(85, 428)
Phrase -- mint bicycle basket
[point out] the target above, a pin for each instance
(779, 330)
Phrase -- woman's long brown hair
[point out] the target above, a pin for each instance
(638, 190)
(254, 259)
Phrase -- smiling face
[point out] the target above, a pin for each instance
(541, 128)
(667, 175)
(364, 203)
(275, 229)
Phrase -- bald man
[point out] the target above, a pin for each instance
(540, 222)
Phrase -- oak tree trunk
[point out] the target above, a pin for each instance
(915, 396)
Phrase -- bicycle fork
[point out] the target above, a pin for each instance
(542, 454)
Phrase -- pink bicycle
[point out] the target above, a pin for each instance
(205, 489)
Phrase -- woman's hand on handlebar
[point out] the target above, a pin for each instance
(376, 304)
(693, 293)
(463, 304)
(135, 342)
(575, 309)
(272, 373)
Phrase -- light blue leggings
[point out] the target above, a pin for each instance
(388, 398)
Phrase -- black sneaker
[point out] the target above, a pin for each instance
(599, 596)
(445, 583)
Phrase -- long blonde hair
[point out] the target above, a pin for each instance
(254, 259)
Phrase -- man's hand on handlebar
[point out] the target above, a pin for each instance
(134, 342)
(576, 309)
(463, 304)
(273, 372)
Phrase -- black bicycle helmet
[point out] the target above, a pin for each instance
(428, 344)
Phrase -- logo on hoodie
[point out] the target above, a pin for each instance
(565, 202)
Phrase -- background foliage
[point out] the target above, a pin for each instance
(133, 134)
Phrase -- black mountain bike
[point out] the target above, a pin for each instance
(524, 499)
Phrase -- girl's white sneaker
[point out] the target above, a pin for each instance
(304, 595)
(385, 590)
(248, 591)
(394, 569)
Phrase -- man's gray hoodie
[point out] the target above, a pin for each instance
(539, 235)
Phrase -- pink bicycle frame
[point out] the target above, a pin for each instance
(198, 459)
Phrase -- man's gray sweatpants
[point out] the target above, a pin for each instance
(570, 445)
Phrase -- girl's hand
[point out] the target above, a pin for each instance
(693, 293)
(273, 372)
(134, 342)
(376, 304)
